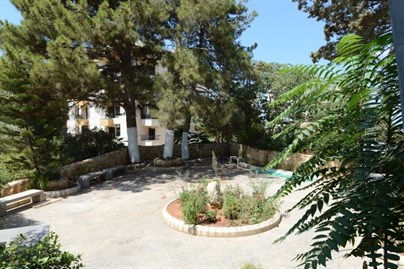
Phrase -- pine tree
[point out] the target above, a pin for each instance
(204, 39)
(32, 115)
(103, 51)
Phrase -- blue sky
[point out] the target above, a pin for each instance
(283, 33)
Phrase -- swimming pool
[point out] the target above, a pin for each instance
(273, 172)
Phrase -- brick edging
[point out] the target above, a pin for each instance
(200, 230)
(65, 192)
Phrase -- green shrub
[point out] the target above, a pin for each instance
(231, 202)
(42, 255)
(237, 206)
(193, 203)
(11, 169)
(248, 209)
(210, 216)
(5, 175)
(87, 144)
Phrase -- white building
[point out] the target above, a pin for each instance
(112, 120)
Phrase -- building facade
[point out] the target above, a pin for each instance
(112, 120)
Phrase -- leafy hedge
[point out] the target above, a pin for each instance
(43, 255)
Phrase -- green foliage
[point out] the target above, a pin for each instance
(31, 113)
(193, 138)
(269, 81)
(10, 169)
(369, 19)
(87, 144)
(356, 185)
(5, 175)
(206, 61)
(44, 254)
(193, 203)
(249, 209)
(210, 216)
(231, 203)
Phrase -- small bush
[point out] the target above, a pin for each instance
(231, 202)
(5, 175)
(193, 203)
(248, 209)
(210, 216)
(44, 254)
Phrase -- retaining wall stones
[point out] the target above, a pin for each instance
(251, 155)
(119, 157)
(15, 187)
(195, 151)
(260, 157)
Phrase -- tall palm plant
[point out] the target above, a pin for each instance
(356, 176)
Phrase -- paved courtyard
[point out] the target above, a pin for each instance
(118, 224)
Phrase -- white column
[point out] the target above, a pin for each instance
(168, 144)
(133, 147)
(184, 146)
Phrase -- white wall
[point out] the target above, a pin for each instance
(96, 114)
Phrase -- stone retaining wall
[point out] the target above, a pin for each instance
(195, 151)
(262, 157)
(251, 155)
(14, 187)
(119, 157)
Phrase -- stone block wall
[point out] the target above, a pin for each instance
(15, 187)
(119, 157)
(262, 157)
(195, 151)
(251, 155)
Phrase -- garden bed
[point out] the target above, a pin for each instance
(204, 209)
(215, 230)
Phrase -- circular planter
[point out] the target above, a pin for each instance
(65, 192)
(200, 230)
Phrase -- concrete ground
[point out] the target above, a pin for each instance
(118, 224)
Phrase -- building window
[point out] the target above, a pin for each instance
(117, 110)
(113, 111)
(146, 113)
(152, 134)
(86, 115)
(117, 130)
(77, 112)
(111, 132)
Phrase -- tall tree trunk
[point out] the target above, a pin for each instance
(396, 8)
(184, 140)
(169, 144)
(133, 146)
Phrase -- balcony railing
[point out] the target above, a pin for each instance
(147, 116)
(149, 137)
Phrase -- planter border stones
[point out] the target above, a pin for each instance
(166, 169)
(62, 193)
(200, 230)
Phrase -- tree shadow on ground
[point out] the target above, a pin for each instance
(15, 219)
(141, 180)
